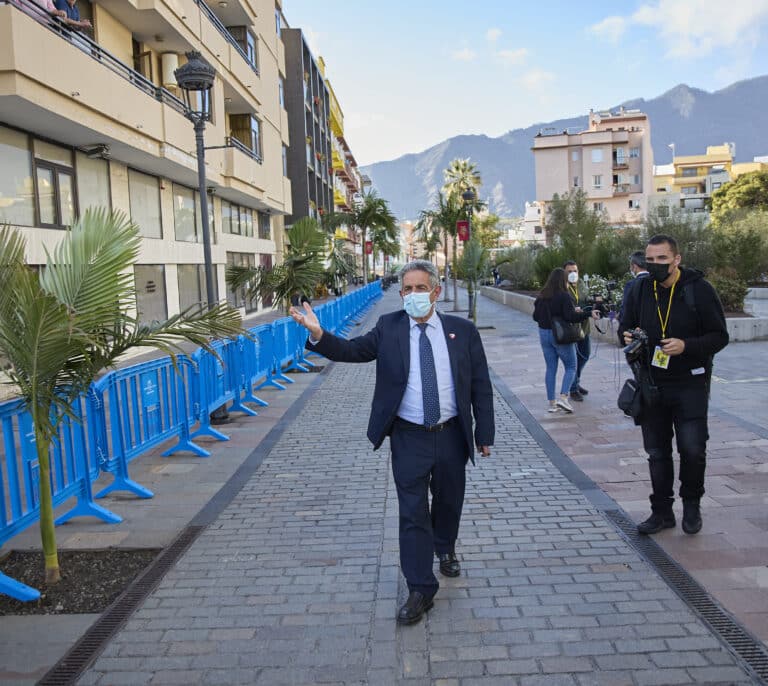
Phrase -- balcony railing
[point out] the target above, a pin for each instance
(208, 12)
(90, 47)
(621, 188)
(232, 142)
(620, 163)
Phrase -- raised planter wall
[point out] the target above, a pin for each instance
(739, 328)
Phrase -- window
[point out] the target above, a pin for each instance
(277, 21)
(574, 155)
(634, 204)
(690, 190)
(281, 90)
(238, 298)
(191, 280)
(246, 221)
(634, 152)
(16, 186)
(285, 160)
(92, 183)
(265, 260)
(536, 229)
(246, 128)
(690, 171)
(716, 185)
(184, 222)
(150, 292)
(597, 181)
(265, 230)
(597, 206)
(619, 156)
(597, 155)
(54, 179)
(575, 181)
(635, 179)
(144, 199)
(247, 43)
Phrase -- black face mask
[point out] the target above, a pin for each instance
(658, 272)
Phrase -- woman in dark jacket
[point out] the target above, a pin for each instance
(555, 301)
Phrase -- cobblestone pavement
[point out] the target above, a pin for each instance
(297, 582)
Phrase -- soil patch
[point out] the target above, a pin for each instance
(90, 579)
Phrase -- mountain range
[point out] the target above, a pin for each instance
(689, 117)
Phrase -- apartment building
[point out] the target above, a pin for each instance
(94, 118)
(308, 99)
(611, 161)
(689, 181)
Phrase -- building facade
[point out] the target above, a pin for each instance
(611, 162)
(309, 156)
(96, 119)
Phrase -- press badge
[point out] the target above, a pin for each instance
(660, 358)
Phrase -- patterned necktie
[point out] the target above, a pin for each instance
(429, 392)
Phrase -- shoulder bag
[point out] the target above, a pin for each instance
(566, 332)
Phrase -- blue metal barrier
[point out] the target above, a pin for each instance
(72, 473)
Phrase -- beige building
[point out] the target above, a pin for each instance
(94, 118)
(611, 161)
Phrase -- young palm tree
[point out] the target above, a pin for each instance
(428, 233)
(446, 213)
(61, 326)
(301, 270)
(474, 266)
(371, 212)
(384, 239)
(341, 265)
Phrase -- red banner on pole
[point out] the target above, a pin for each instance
(462, 229)
(369, 247)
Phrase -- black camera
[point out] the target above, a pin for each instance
(635, 347)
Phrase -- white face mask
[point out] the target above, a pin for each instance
(573, 277)
(417, 305)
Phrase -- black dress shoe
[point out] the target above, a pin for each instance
(414, 608)
(656, 522)
(691, 517)
(449, 564)
(576, 395)
(583, 390)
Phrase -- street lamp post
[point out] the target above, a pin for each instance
(468, 196)
(195, 79)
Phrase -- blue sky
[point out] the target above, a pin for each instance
(410, 74)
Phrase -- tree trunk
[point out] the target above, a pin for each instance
(447, 298)
(365, 257)
(455, 285)
(47, 528)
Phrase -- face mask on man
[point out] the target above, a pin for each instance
(573, 277)
(417, 305)
(658, 272)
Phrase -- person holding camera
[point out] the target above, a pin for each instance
(638, 271)
(584, 346)
(677, 316)
(554, 301)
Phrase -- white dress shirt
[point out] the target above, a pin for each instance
(412, 405)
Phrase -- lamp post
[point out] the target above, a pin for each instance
(468, 196)
(195, 79)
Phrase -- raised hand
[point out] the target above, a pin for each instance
(308, 319)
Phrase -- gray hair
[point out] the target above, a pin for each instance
(422, 266)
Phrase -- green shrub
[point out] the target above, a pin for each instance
(518, 266)
(546, 260)
(741, 243)
(730, 287)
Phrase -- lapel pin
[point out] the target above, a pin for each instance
(451, 335)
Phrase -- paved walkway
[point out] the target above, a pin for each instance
(296, 580)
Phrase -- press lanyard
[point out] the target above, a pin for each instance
(575, 292)
(665, 321)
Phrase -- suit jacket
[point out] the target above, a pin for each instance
(389, 344)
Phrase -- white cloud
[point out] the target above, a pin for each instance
(512, 57)
(492, 35)
(611, 28)
(464, 55)
(535, 79)
(694, 28)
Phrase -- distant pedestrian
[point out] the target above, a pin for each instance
(496, 276)
(554, 301)
(431, 379)
(584, 346)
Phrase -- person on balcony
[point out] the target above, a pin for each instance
(72, 15)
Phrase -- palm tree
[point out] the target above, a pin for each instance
(301, 270)
(371, 212)
(474, 266)
(384, 239)
(60, 327)
(444, 216)
(428, 233)
(460, 175)
(341, 264)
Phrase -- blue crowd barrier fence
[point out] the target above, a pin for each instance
(133, 409)
(72, 471)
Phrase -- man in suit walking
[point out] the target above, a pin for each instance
(431, 378)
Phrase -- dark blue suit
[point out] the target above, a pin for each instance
(423, 461)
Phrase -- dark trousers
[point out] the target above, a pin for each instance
(424, 462)
(680, 412)
(583, 351)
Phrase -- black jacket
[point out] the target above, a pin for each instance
(389, 344)
(696, 317)
(559, 306)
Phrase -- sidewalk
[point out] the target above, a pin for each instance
(294, 577)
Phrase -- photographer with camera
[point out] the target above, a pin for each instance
(638, 271)
(673, 326)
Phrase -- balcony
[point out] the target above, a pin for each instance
(620, 163)
(243, 170)
(208, 12)
(621, 189)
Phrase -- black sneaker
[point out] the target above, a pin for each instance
(583, 390)
(576, 395)
(691, 518)
(656, 522)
